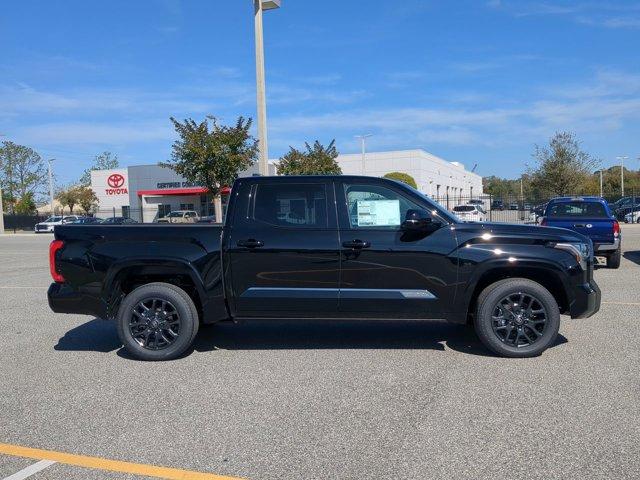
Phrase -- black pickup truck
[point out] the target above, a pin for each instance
(344, 247)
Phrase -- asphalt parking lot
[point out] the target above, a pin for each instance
(347, 400)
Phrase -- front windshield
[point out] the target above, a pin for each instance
(440, 211)
(175, 214)
(53, 219)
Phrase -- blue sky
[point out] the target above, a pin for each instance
(471, 81)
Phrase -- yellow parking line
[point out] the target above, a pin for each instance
(110, 465)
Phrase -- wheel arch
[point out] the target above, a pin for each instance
(123, 277)
(549, 278)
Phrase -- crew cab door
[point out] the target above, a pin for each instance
(388, 272)
(282, 249)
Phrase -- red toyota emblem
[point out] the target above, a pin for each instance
(115, 181)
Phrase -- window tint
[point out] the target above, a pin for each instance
(292, 205)
(578, 209)
(374, 206)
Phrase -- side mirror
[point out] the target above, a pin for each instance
(419, 220)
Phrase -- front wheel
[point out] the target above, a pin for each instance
(157, 321)
(517, 317)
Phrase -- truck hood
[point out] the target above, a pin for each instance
(532, 232)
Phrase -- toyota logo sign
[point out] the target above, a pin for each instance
(116, 182)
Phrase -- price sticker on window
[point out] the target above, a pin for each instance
(378, 213)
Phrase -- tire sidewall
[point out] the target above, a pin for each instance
(183, 305)
(483, 321)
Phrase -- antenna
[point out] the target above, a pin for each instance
(474, 168)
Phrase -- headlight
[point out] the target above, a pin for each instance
(580, 251)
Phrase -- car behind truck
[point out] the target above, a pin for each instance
(328, 247)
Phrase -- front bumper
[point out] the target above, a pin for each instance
(586, 300)
(606, 247)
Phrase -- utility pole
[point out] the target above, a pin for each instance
(363, 140)
(601, 191)
(1, 215)
(263, 149)
(51, 160)
(622, 159)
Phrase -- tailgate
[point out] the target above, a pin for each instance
(598, 230)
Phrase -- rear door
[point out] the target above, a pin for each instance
(282, 249)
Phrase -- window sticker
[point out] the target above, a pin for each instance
(378, 213)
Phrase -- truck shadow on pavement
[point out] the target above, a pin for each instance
(100, 336)
(633, 255)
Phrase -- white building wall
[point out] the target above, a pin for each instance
(428, 170)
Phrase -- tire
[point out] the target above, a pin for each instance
(613, 260)
(169, 330)
(532, 336)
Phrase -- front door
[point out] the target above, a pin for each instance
(283, 250)
(387, 272)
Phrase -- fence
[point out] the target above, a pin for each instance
(503, 208)
(529, 208)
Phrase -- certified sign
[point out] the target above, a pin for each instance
(116, 183)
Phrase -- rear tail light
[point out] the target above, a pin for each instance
(53, 249)
(616, 228)
(543, 222)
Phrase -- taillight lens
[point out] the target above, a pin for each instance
(543, 222)
(616, 228)
(53, 249)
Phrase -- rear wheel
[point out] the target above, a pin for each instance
(613, 260)
(517, 317)
(157, 321)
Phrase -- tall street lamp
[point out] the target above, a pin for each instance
(363, 141)
(51, 160)
(263, 150)
(622, 159)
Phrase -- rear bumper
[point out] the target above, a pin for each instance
(607, 247)
(586, 301)
(64, 299)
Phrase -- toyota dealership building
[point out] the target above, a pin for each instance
(148, 192)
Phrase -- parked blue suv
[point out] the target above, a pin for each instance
(592, 217)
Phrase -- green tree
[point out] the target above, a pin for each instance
(68, 197)
(104, 161)
(317, 160)
(26, 205)
(562, 167)
(22, 171)
(402, 177)
(210, 154)
(87, 199)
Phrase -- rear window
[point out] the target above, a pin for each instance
(578, 209)
(464, 208)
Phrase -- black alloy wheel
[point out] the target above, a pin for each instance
(154, 323)
(519, 319)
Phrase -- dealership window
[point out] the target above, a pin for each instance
(126, 211)
(302, 205)
(163, 210)
(186, 206)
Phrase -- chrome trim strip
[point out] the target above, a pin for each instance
(343, 293)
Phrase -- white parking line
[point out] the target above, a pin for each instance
(633, 304)
(30, 470)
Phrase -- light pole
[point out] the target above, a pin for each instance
(263, 149)
(622, 159)
(601, 191)
(51, 160)
(363, 141)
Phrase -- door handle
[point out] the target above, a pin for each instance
(579, 225)
(250, 243)
(356, 244)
